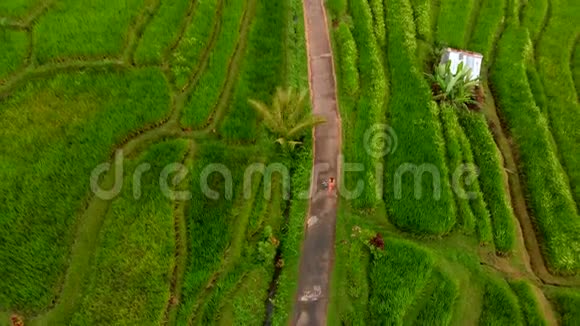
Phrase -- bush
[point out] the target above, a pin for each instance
(549, 193)
(488, 160)
(419, 136)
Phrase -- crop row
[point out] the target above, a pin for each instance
(379, 21)
(195, 40)
(533, 17)
(85, 28)
(421, 144)
(130, 278)
(486, 28)
(492, 180)
(554, 53)
(14, 47)
(423, 11)
(531, 310)
(567, 304)
(550, 197)
(55, 132)
(439, 306)
(454, 21)
(162, 31)
(262, 71)
(209, 87)
(370, 109)
(500, 305)
(397, 275)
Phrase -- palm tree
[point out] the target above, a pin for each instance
(288, 117)
(456, 90)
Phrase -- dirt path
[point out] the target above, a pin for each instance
(318, 248)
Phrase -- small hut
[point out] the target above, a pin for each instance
(470, 60)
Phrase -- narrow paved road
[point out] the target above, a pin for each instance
(318, 248)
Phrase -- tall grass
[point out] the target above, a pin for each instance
(487, 27)
(347, 58)
(337, 7)
(396, 278)
(55, 131)
(209, 87)
(261, 73)
(554, 53)
(379, 21)
(533, 17)
(531, 309)
(478, 205)
(14, 48)
(439, 307)
(453, 23)
(492, 180)
(576, 67)
(84, 28)
(549, 193)
(537, 88)
(209, 222)
(161, 31)
(567, 304)
(422, 12)
(500, 305)
(371, 105)
(419, 135)
(455, 159)
(16, 8)
(131, 272)
(195, 40)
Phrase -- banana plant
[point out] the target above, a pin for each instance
(454, 89)
(288, 116)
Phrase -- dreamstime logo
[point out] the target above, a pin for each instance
(380, 140)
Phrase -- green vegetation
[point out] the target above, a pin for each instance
(487, 26)
(528, 302)
(288, 117)
(423, 10)
(260, 74)
(72, 122)
(16, 8)
(567, 302)
(13, 46)
(371, 105)
(348, 55)
(131, 271)
(453, 24)
(439, 307)
(557, 218)
(419, 136)
(195, 40)
(208, 89)
(86, 28)
(161, 32)
(396, 278)
(554, 52)
(500, 305)
(533, 17)
(455, 90)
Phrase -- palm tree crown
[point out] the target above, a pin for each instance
(288, 117)
(456, 90)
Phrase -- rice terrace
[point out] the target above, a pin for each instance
(289, 162)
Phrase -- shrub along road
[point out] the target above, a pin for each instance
(318, 247)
